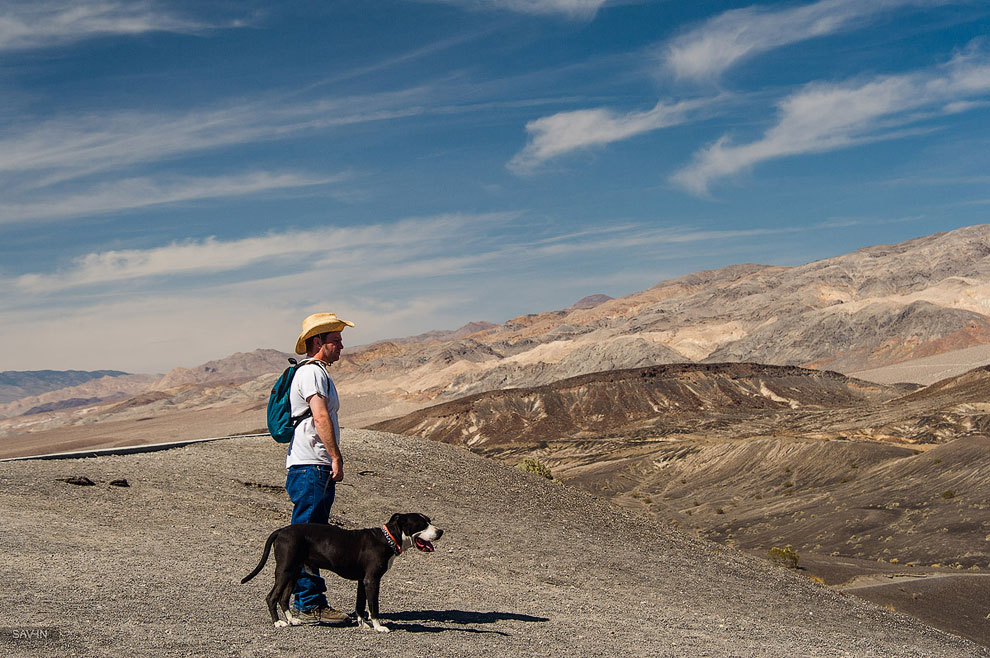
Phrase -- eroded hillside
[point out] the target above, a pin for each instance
(859, 478)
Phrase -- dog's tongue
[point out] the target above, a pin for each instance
(423, 545)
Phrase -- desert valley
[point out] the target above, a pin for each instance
(837, 413)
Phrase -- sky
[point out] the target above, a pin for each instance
(180, 181)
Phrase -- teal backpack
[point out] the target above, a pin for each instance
(281, 422)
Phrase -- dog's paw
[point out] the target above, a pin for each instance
(281, 624)
(379, 627)
(295, 622)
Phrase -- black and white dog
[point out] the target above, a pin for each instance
(361, 555)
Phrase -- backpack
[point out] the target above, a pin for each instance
(281, 422)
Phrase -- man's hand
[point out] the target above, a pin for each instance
(338, 469)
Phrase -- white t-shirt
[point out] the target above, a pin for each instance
(306, 447)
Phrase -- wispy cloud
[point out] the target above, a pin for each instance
(824, 117)
(40, 154)
(573, 8)
(555, 135)
(33, 24)
(708, 50)
(64, 148)
(131, 193)
(388, 245)
(408, 249)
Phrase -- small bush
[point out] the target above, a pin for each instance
(720, 511)
(788, 484)
(535, 466)
(786, 556)
(948, 494)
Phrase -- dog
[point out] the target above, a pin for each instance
(362, 555)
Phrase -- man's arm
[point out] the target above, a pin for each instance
(324, 428)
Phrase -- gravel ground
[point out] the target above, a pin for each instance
(525, 567)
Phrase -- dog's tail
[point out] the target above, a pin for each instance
(264, 558)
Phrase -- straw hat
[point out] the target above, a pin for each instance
(319, 323)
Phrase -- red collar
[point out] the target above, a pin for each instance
(396, 546)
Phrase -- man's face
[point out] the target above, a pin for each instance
(332, 347)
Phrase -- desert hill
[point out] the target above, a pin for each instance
(95, 391)
(760, 456)
(18, 384)
(525, 567)
(234, 369)
(730, 400)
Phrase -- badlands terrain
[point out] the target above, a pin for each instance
(840, 407)
(882, 486)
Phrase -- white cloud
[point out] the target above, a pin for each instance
(63, 148)
(133, 193)
(704, 52)
(396, 249)
(46, 23)
(824, 117)
(574, 8)
(719, 43)
(406, 250)
(558, 134)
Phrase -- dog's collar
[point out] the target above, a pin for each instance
(396, 546)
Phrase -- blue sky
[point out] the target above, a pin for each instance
(183, 180)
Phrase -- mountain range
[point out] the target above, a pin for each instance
(18, 384)
(870, 313)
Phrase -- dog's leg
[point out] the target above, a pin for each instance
(284, 605)
(272, 600)
(285, 580)
(371, 587)
(360, 605)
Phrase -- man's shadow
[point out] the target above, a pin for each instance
(459, 617)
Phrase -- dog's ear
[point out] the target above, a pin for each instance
(395, 517)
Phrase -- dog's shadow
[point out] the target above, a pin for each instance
(466, 618)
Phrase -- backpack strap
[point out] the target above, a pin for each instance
(309, 412)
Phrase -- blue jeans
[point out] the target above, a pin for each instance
(311, 489)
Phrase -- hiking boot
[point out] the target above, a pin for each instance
(320, 615)
(331, 614)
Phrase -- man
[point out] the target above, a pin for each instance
(314, 462)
